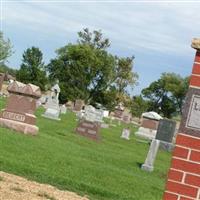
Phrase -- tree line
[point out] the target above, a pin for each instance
(87, 71)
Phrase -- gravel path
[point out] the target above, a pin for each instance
(17, 188)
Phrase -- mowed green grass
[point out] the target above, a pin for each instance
(109, 169)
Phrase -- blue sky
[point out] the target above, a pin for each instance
(157, 33)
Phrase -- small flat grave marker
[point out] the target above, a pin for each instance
(125, 133)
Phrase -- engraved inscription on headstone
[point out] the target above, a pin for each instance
(20, 107)
(193, 120)
(88, 125)
(14, 116)
(92, 132)
(88, 129)
(81, 129)
(166, 130)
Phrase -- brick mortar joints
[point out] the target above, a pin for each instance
(194, 162)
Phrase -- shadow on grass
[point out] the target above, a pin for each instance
(139, 165)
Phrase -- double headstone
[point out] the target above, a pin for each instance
(52, 105)
(21, 105)
(90, 123)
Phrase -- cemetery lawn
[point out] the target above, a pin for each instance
(105, 170)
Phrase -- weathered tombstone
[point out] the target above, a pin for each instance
(90, 124)
(165, 133)
(21, 105)
(149, 125)
(63, 109)
(126, 118)
(89, 129)
(104, 125)
(52, 105)
(164, 137)
(92, 114)
(78, 106)
(184, 175)
(125, 133)
(166, 130)
(151, 156)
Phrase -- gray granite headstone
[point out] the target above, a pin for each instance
(151, 156)
(166, 130)
(165, 133)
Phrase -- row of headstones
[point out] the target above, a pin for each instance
(23, 101)
(21, 105)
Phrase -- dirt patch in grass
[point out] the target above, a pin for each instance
(16, 188)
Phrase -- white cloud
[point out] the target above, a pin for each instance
(152, 26)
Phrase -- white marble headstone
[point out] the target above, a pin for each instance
(126, 134)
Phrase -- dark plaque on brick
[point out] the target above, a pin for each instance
(190, 123)
(88, 129)
(166, 130)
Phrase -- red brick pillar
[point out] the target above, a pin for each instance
(184, 175)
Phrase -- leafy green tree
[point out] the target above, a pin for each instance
(107, 98)
(166, 95)
(94, 39)
(5, 48)
(32, 69)
(6, 69)
(138, 106)
(85, 70)
(125, 77)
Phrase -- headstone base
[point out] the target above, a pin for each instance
(147, 168)
(51, 114)
(19, 126)
(151, 156)
(146, 133)
(104, 125)
(166, 146)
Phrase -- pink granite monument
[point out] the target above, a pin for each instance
(21, 105)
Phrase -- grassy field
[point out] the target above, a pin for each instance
(105, 170)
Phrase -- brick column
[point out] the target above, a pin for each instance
(184, 175)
